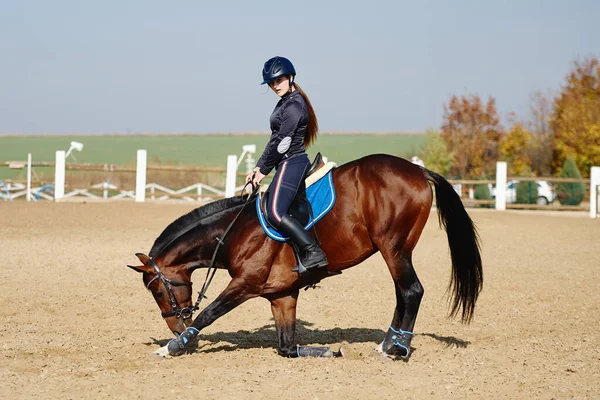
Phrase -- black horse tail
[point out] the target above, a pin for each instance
(467, 274)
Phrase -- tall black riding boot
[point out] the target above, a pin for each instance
(310, 253)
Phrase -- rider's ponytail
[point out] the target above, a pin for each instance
(313, 124)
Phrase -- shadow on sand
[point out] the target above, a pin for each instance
(266, 337)
(449, 341)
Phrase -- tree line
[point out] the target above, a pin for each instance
(562, 128)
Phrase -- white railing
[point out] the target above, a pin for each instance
(106, 191)
(11, 190)
(171, 193)
(141, 186)
(201, 191)
(15, 190)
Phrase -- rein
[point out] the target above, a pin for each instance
(220, 242)
(188, 312)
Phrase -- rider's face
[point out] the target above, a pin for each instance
(280, 85)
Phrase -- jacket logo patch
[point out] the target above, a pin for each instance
(284, 145)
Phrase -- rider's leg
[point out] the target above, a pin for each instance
(309, 251)
(284, 187)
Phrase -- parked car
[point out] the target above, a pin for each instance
(545, 192)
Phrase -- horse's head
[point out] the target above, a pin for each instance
(171, 288)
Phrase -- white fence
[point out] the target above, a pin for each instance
(11, 190)
(198, 191)
(141, 187)
(500, 201)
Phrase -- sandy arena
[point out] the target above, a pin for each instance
(77, 323)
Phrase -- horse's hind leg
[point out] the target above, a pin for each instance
(396, 240)
(283, 307)
(409, 293)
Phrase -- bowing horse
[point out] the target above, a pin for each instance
(380, 203)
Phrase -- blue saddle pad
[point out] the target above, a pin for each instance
(320, 195)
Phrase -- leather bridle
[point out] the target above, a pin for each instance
(185, 312)
(188, 312)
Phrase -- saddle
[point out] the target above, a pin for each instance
(300, 209)
(320, 198)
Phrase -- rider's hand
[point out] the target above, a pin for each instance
(258, 177)
(255, 176)
(250, 175)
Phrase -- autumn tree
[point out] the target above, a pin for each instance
(472, 132)
(515, 149)
(576, 119)
(435, 154)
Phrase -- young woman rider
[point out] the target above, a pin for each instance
(294, 127)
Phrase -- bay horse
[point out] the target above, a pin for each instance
(383, 203)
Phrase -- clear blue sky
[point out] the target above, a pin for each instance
(128, 66)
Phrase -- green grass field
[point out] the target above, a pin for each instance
(197, 150)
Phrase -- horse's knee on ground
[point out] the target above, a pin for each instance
(288, 351)
(317, 351)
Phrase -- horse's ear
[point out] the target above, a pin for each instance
(143, 258)
(141, 268)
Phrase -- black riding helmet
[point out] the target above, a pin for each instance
(276, 67)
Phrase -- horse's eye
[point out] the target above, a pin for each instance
(158, 295)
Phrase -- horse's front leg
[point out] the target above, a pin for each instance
(283, 307)
(237, 292)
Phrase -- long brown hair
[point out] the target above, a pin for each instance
(313, 124)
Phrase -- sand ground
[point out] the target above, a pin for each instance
(76, 323)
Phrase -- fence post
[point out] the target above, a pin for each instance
(501, 185)
(29, 177)
(231, 175)
(59, 175)
(140, 176)
(594, 183)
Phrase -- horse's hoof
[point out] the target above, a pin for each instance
(162, 353)
(382, 354)
(174, 348)
(397, 352)
(393, 353)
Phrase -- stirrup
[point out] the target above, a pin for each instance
(300, 267)
(302, 270)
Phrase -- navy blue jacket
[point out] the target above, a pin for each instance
(289, 122)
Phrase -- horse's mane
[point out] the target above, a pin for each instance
(189, 221)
